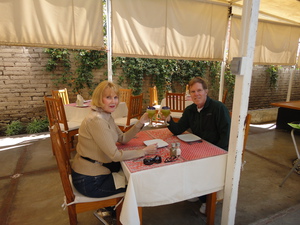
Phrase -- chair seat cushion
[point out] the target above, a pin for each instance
(79, 198)
(71, 125)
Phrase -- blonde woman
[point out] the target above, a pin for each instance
(96, 166)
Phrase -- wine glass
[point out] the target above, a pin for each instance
(165, 110)
(151, 112)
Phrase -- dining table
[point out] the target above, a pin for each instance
(199, 170)
(287, 112)
(76, 113)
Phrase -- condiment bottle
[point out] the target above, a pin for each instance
(173, 150)
(178, 149)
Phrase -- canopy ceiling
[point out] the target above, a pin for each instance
(176, 29)
(183, 29)
(52, 23)
(195, 29)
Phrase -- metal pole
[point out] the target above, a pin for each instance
(109, 48)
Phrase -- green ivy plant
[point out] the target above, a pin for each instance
(163, 73)
(87, 61)
(59, 58)
(272, 71)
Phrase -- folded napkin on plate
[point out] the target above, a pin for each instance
(79, 100)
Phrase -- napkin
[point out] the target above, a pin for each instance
(80, 100)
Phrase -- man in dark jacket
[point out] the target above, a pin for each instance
(206, 118)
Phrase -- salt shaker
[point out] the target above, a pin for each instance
(178, 150)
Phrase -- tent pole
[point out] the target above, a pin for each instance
(292, 71)
(240, 110)
(223, 65)
(109, 49)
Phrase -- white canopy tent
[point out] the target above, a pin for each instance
(184, 29)
(52, 23)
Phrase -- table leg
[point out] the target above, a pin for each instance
(211, 208)
(140, 209)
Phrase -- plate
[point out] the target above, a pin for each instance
(82, 106)
(188, 137)
(160, 143)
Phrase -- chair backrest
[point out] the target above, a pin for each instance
(246, 127)
(176, 101)
(62, 93)
(62, 160)
(56, 112)
(135, 108)
(224, 96)
(153, 96)
(124, 95)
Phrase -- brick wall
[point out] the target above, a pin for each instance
(24, 82)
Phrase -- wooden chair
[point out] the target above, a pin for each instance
(74, 201)
(134, 113)
(246, 127)
(176, 102)
(124, 95)
(62, 93)
(224, 96)
(246, 131)
(56, 114)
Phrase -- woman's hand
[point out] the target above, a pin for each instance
(150, 149)
(144, 118)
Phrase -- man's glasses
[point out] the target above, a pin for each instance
(171, 159)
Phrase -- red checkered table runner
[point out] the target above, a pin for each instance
(189, 151)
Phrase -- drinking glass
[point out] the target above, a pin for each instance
(165, 110)
(151, 112)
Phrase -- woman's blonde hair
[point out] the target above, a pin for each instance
(99, 90)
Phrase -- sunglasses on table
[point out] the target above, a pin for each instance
(150, 161)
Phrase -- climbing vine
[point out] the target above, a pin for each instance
(272, 71)
(87, 61)
(59, 58)
(165, 74)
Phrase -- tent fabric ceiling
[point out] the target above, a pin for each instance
(52, 23)
(287, 11)
(275, 43)
(174, 31)
(177, 29)
(182, 29)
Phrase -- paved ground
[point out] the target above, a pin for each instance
(31, 191)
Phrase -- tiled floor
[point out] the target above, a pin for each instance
(31, 192)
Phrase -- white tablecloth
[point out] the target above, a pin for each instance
(77, 114)
(171, 183)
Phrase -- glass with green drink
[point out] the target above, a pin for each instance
(151, 112)
(165, 110)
